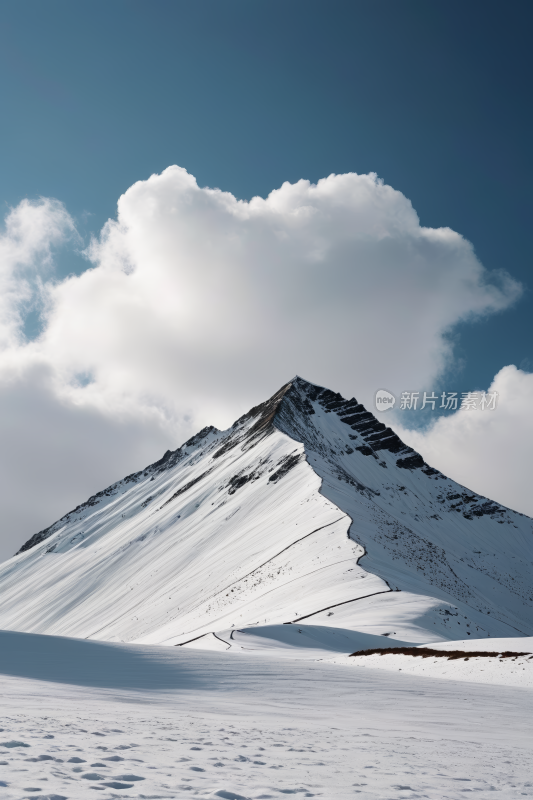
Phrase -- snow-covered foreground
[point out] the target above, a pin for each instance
(151, 722)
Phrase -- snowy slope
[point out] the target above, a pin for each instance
(307, 508)
(522, 644)
(423, 533)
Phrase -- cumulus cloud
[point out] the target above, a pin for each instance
(195, 294)
(196, 305)
(487, 451)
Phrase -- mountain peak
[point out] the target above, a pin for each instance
(308, 508)
(289, 408)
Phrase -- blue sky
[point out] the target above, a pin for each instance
(433, 97)
(246, 95)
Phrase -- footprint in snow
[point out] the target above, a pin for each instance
(13, 743)
(48, 796)
(118, 785)
(40, 758)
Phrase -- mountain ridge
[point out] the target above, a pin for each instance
(266, 412)
(227, 526)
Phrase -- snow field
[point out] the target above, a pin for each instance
(499, 672)
(334, 645)
(522, 644)
(151, 722)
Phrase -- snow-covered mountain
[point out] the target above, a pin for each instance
(306, 509)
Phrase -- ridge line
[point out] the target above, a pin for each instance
(344, 602)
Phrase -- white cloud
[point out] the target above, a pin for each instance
(55, 453)
(197, 306)
(488, 451)
(31, 230)
(195, 293)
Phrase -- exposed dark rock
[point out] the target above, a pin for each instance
(264, 413)
(171, 458)
(391, 443)
(240, 480)
(285, 465)
(411, 462)
(428, 652)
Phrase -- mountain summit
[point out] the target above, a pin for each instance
(306, 509)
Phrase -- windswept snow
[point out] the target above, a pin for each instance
(307, 511)
(335, 646)
(520, 645)
(293, 641)
(154, 722)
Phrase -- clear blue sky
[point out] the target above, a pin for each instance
(435, 97)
